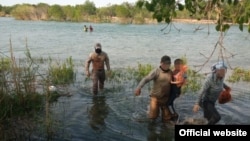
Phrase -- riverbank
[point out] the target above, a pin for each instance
(120, 20)
(195, 21)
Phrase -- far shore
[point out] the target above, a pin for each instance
(147, 21)
(195, 21)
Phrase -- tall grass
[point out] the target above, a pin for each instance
(24, 93)
(62, 73)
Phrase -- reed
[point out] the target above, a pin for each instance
(62, 72)
(24, 94)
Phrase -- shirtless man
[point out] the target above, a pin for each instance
(99, 59)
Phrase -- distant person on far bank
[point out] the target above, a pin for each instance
(213, 87)
(99, 59)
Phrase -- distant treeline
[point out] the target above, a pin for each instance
(86, 12)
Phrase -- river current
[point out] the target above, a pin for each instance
(116, 114)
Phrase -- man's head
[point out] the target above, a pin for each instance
(165, 62)
(219, 69)
(98, 48)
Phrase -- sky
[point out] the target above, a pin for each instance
(98, 3)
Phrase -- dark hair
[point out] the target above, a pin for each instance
(98, 45)
(178, 61)
(166, 59)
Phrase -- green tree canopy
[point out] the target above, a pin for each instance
(55, 12)
(24, 12)
(233, 11)
(88, 8)
(122, 11)
(68, 12)
(42, 11)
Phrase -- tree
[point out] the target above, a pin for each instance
(24, 12)
(122, 11)
(234, 11)
(42, 11)
(78, 13)
(89, 8)
(7, 9)
(55, 12)
(68, 12)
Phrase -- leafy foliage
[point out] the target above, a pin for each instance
(142, 70)
(88, 8)
(5, 64)
(226, 11)
(56, 12)
(24, 12)
(163, 10)
(239, 74)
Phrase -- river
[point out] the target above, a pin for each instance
(116, 114)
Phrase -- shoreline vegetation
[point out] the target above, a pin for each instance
(119, 20)
(125, 13)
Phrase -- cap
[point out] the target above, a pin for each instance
(219, 65)
(166, 59)
(98, 45)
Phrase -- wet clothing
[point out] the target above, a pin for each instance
(210, 112)
(98, 60)
(175, 92)
(210, 92)
(159, 93)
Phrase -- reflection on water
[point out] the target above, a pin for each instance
(116, 114)
(97, 113)
(160, 132)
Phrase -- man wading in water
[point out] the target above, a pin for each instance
(98, 59)
(212, 87)
(160, 91)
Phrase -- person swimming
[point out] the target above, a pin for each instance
(90, 28)
(85, 28)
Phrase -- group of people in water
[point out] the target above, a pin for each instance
(167, 84)
(86, 29)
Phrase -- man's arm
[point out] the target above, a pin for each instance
(87, 64)
(107, 62)
(153, 74)
(205, 87)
